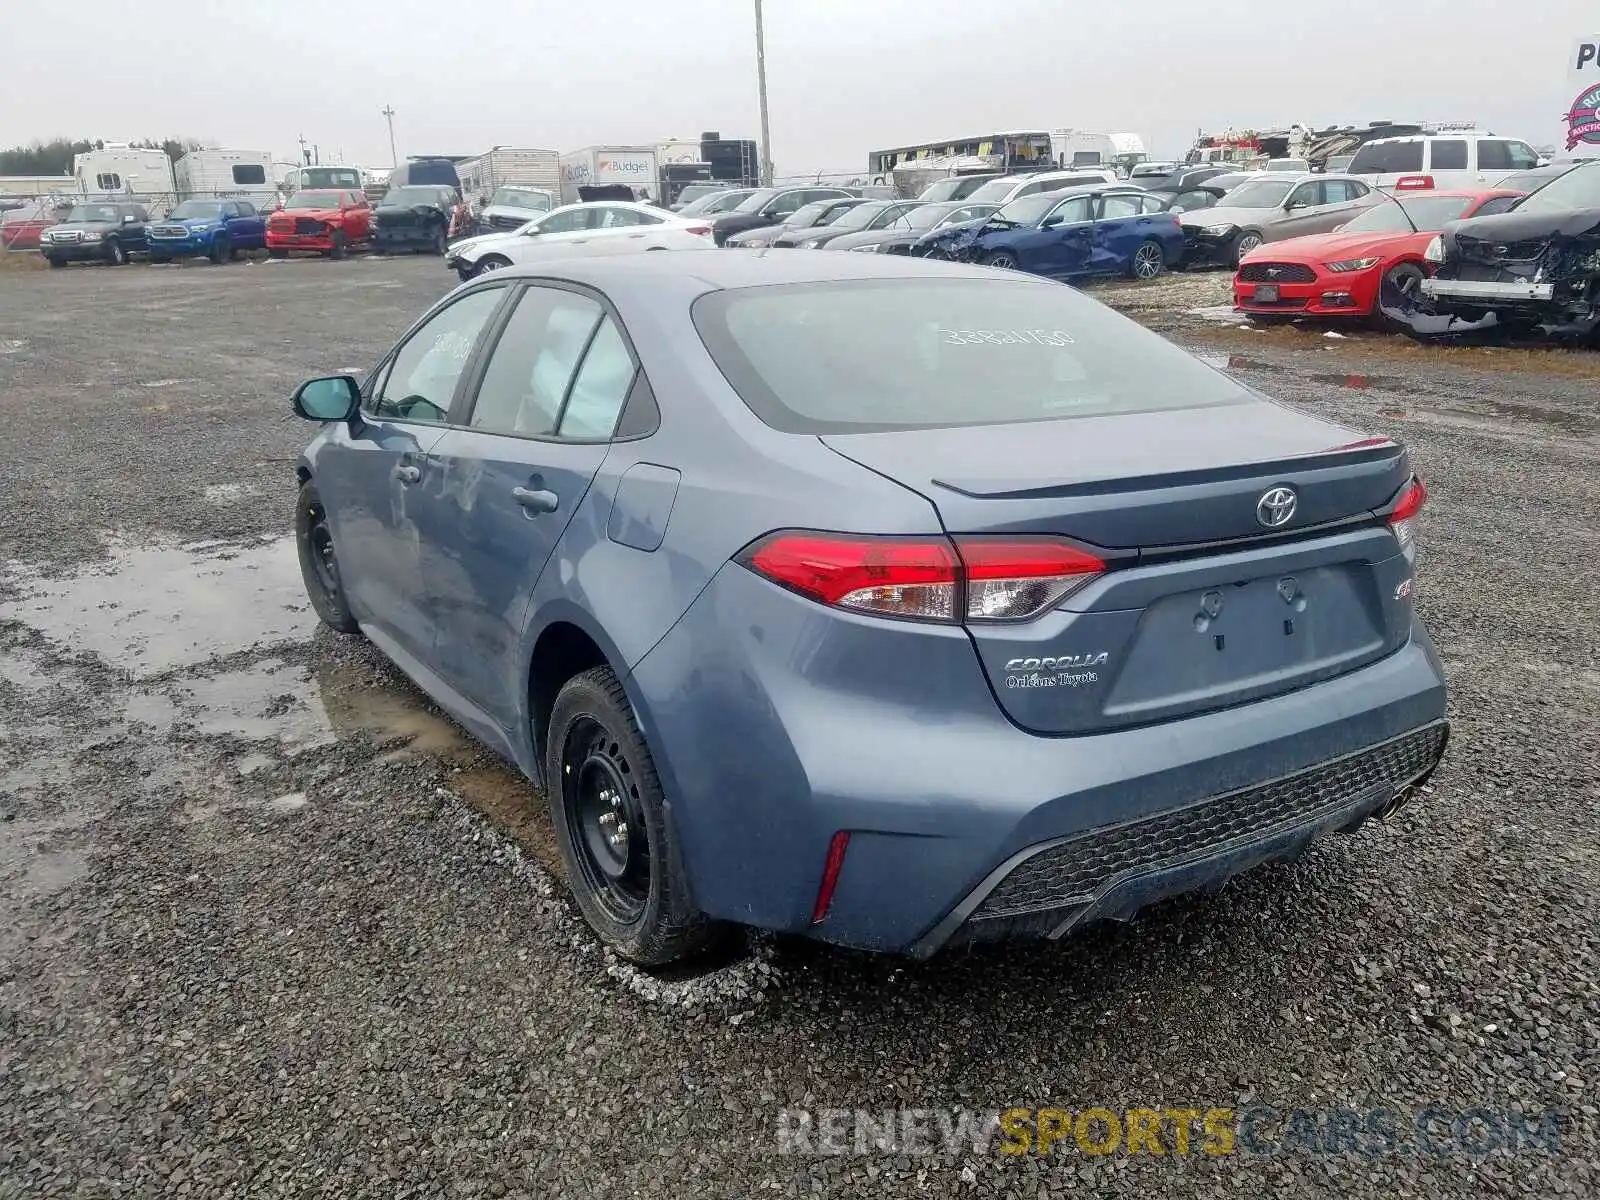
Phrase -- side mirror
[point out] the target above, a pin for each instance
(531, 231)
(1338, 229)
(1051, 221)
(332, 398)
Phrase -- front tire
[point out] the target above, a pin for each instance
(161, 260)
(337, 250)
(441, 242)
(115, 254)
(1003, 259)
(1246, 242)
(1148, 261)
(1405, 280)
(491, 262)
(319, 567)
(619, 848)
(54, 261)
(221, 251)
(277, 254)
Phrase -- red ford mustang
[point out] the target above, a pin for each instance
(1338, 274)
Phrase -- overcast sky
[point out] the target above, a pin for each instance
(844, 76)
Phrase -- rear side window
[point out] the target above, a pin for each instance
(1447, 154)
(1495, 154)
(526, 380)
(860, 356)
(1112, 207)
(1387, 158)
(245, 174)
(1497, 204)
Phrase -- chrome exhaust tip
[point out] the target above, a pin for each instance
(1398, 801)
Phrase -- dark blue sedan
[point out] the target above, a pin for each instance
(1071, 234)
(898, 603)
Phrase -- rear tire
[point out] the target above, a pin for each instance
(1148, 261)
(621, 853)
(319, 567)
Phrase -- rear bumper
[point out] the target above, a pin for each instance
(776, 723)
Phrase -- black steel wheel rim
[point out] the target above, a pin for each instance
(605, 820)
(319, 539)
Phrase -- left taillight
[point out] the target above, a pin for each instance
(974, 578)
(700, 230)
(1403, 517)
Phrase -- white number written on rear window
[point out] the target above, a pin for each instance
(1005, 337)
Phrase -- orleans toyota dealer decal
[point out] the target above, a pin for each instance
(1583, 79)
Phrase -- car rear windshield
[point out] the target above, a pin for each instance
(873, 355)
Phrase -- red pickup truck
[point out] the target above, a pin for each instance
(324, 221)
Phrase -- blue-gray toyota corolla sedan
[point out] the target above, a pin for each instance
(897, 602)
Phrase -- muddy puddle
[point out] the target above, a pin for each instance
(221, 656)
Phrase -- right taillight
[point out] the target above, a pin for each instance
(1403, 517)
(972, 578)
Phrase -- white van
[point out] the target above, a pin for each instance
(1450, 160)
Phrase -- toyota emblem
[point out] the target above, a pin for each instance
(1276, 507)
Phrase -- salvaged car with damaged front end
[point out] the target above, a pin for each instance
(1535, 269)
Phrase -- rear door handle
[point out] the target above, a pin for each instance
(408, 474)
(536, 500)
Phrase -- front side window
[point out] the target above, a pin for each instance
(422, 382)
(1305, 196)
(1578, 189)
(571, 221)
(1069, 212)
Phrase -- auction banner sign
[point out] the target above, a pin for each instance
(1583, 87)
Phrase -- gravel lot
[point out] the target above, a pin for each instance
(271, 926)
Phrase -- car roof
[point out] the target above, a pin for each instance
(1452, 135)
(695, 272)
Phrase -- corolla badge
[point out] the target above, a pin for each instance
(1276, 507)
(1060, 662)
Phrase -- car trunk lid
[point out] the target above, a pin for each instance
(1204, 603)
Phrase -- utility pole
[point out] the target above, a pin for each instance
(388, 115)
(305, 158)
(761, 88)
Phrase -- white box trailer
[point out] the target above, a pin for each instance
(510, 166)
(634, 167)
(118, 169)
(227, 175)
(510, 185)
